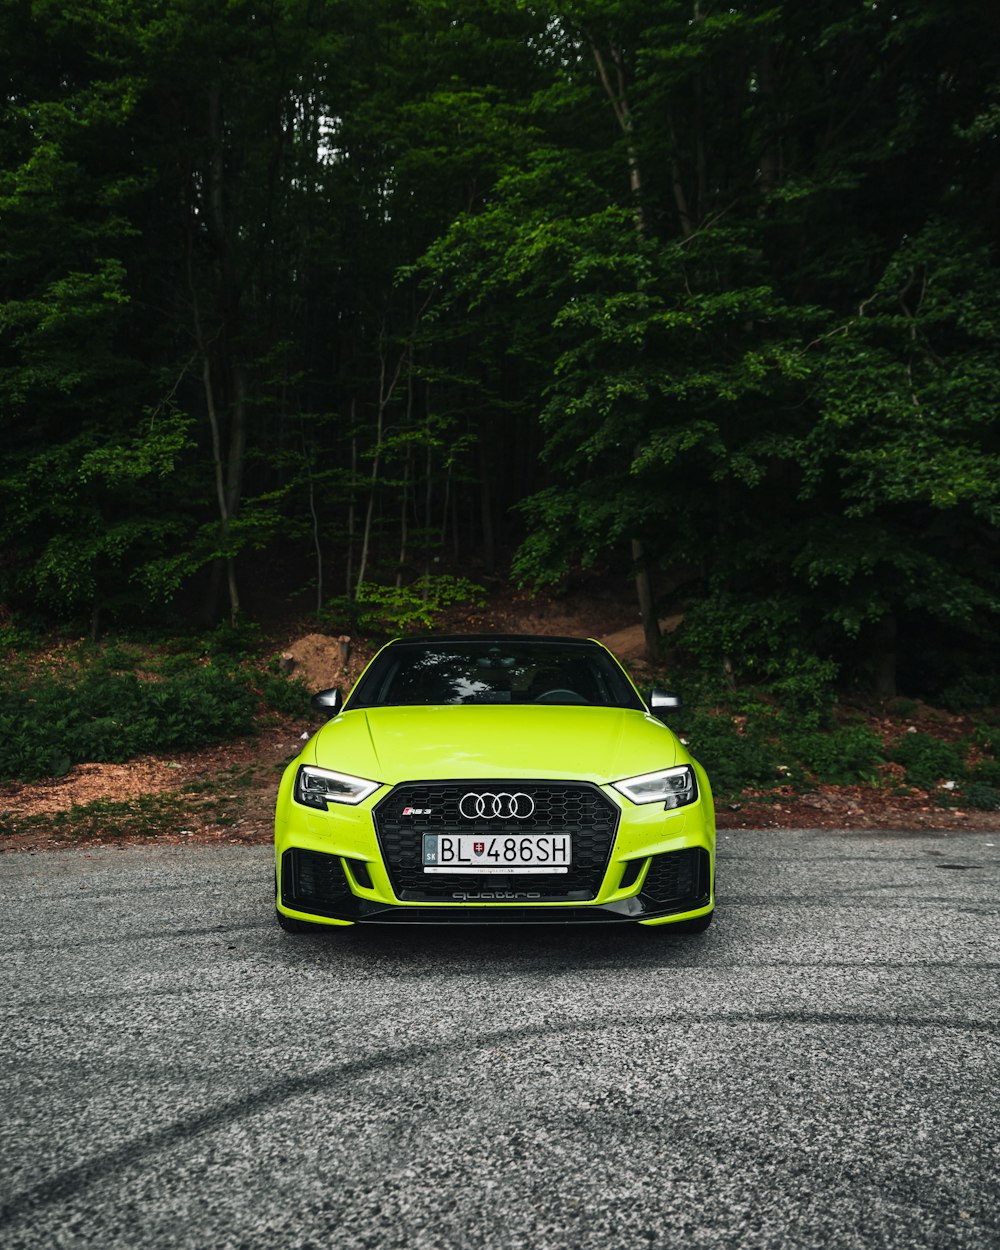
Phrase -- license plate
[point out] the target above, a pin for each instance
(497, 854)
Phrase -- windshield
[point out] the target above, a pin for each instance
(492, 671)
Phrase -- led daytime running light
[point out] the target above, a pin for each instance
(673, 787)
(316, 787)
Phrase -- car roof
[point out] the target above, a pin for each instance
(535, 638)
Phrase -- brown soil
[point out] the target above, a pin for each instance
(850, 807)
(223, 794)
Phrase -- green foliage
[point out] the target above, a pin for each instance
(16, 636)
(50, 721)
(736, 753)
(928, 760)
(987, 772)
(147, 816)
(844, 756)
(971, 690)
(972, 794)
(763, 746)
(791, 387)
(383, 609)
(760, 640)
(288, 696)
(228, 643)
(986, 736)
(377, 281)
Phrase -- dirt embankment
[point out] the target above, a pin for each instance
(226, 793)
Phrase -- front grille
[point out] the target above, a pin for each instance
(576, 808)
(314, 882)
(679, 876)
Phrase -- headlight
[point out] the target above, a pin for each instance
(673, 787)
(315, 787)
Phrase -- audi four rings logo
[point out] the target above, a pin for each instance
(496, 806)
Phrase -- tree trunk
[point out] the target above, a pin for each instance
(351, 510)
(229, 466)
(486, 504)
(619, 104)
(644, 594)
(314, 516)
(884, 657)
(403, 520)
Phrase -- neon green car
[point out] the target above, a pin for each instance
(494, 779)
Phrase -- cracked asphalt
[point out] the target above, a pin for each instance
(821, 1068)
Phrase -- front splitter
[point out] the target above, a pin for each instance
(624, 911)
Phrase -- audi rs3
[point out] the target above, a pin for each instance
(494, 779)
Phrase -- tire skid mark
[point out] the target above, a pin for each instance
(61, 1186)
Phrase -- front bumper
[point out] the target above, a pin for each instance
(336, 867)
(317, 886)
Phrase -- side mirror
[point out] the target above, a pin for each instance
(327, 702)
(663, 701)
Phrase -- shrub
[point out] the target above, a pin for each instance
(805, 689)
(987, 772)
(928, 760)
(48, 723)
(401, 609)
(233, 642)
(971, 692)
(982, 797)
(288, 696)
(974, 794)
(764, 642)
(849, 753)
(734, 756)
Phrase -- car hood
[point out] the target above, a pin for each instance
(393, 744)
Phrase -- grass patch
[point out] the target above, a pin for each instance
(145, 816)
(148, 816)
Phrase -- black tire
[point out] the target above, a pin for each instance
(297, 926)
(698, 925)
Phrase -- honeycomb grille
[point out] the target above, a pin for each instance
(678, 876)
(313, 882)
(576, 808)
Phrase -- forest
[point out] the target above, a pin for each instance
(341, 303)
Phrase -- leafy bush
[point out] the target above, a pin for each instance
(401, 609)
(15, 637)
(971, 691)
(928, 760)
(288, 696)
(734, 755)
(848, 754)
(805, 689)
(233, 642)
(762, 640)
(974, 794)
(981, 797)
(987, 772)
(987, 737)
(48, 723)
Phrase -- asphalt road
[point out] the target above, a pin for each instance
(822, 1068)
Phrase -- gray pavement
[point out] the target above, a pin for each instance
(821, 1068)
